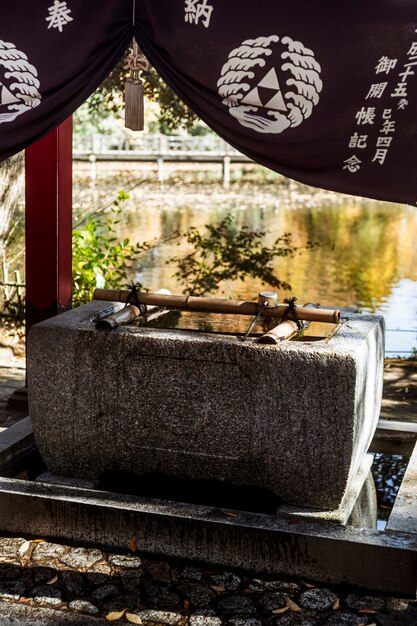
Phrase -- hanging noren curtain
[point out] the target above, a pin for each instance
(324, 93)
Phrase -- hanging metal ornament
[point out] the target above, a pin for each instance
(134, 101)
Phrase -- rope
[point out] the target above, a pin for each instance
(133, 298)
(291, 311)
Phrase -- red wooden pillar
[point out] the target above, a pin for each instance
(48, 224)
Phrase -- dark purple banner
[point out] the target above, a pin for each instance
(53, 55)
(323, 92)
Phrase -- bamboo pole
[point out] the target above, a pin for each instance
(279, 333)
(218, 305)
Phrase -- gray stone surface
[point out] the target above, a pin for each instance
(206, 406)
(159, 618)
(191, 572)
(46, 594)
(359, 504)
(359, 602)
(205, 620)
(403, 517)
(102, 593)
(10, 571)
(125, 561)
(197, 594)
(73, 582)
(245, 621)
(237, 605)
(81, 557)
(228, 580)
(42, 575)
(15, 440)
(83, 606)
(272, 601)
(159, 571)
(9, 547)
(295, 619)
(47, 551)
(23, 615)
(340, 618)
(12, 590)
(317, 599)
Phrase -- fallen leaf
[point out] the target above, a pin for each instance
(133, 545)
(292, 605)
(38, 541)
(230, 514)
(133, 619)
(186, 605)
(24, 548)
(368, 611)
(114, 615)
(217, 588)
(52, 581)
(278, 611)
(336, 605)
(308, 585)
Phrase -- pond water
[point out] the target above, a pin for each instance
(367, 258)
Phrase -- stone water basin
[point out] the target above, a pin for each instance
(295, 418)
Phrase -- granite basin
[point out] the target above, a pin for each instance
(296, 418)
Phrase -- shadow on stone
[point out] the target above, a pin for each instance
(206, 492)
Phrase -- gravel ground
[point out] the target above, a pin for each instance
(75, 584)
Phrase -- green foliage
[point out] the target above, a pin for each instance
(228, 253)
(98, 259)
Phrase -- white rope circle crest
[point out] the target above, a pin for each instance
(286, 88)
(20, 93)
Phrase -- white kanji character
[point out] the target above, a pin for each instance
(413, 49)
(376, 90)
(204, 10)
(386, 114)
(400, 91)
(385, 65)
(196, 9)
(353, 164)
(383, 142)
(402, 104)
(408, 72)
(365, 116)
(191, 11)
(380, 155)
(59, 15)
(388, 127)
(358, 141)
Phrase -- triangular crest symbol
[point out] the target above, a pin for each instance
(270, 80)
(252, 98)
(260, 96)
(6, 96)
(277, 102)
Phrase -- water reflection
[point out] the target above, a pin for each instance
(365, 511)
(368, 258)
(376, 499)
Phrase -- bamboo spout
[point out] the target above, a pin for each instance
(218, 305)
